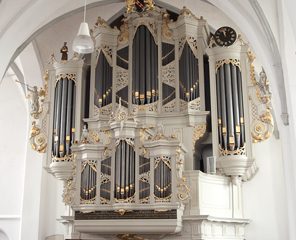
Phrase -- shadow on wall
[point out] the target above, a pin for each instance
(3, 236)
(53, 237)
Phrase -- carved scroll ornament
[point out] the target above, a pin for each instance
(262, 125)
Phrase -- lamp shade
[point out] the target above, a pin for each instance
(83, 42)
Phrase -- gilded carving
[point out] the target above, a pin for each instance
(166, 31)
(69, 188)
(198, 132)
(238, 151)
(234, 62)
(124, 33)
(101, 23)
(66, 76)
(129, 237)
(130, 6)
(260, 97)
(37, 139)
(183, 190)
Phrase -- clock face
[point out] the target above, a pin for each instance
(225, 36)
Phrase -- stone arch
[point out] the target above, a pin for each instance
(3, 235)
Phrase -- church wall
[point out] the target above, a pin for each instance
(264, 196)
(13, 128)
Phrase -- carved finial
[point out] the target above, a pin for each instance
(64, 52)
(186, 12)
(84, 135)
(101, 22)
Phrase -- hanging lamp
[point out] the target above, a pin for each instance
(83, 43)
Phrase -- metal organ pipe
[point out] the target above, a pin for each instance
(148, 67)
(235, 105)
(223, 102)
(58, 117)
(219, 107)
(69, 116)
(145, 67)
(229, 107)
(241, 108)
(73, 112)
(63, 118)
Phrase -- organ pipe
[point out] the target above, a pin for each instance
(125, 171)
(230, 107)
(188, 74)
(64, 121)
(145, 67)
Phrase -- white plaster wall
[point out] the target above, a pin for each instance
(264, 196)
(13, 129)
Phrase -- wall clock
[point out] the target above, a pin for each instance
(225, 36)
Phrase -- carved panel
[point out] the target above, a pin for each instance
(121, 80)
(260, 98)
(169, 74)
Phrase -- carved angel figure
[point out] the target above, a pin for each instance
(84, 135)
(130, 4)
(149, 4)
(264, 83)
(34, 99)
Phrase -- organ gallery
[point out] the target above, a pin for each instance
(152, 133)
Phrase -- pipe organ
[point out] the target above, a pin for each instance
(127, 139)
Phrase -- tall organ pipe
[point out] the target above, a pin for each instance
(235, 105)
(69, 116)
(58, 117)
(219, 107)
(63, 118)
(229, 107)
(223, 102)
(241, 108)
(145, 67)
(54, 123)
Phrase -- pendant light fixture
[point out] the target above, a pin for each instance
(83, 43)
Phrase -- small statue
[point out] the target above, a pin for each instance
(166, 31)
(130, 5)
(149, 4)
(34, 100)
(84, 135)
(64, 52)
(34, 130)
(124, 34)
(264, 83)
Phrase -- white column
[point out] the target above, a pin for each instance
(214, 119)
(152, 199)
(159, 33)
(247, 120)
(92, 84)
(98, 182)
(114, 65)
(201, 77)
(177, 87)
(130, 68)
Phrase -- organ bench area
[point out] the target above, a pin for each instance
(132, 125)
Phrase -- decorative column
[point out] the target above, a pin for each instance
(124, 182)
(229, 105)
(190, 34)
(103, 70)
(66, 114)
(166, 168)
